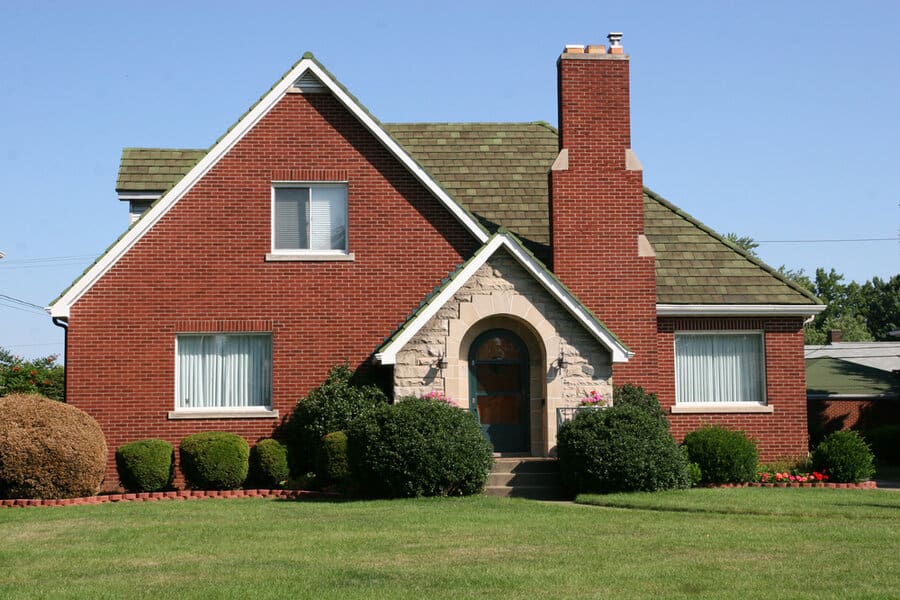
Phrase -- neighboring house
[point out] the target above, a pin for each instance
(513, 266)
(852, 385)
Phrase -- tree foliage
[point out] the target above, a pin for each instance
(863, 312)
(42, 376)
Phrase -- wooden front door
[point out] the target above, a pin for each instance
(498, 389)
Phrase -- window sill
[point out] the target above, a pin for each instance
(722, 408)
(261, 413)
(309, 257)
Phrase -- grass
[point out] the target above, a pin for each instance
(734, 543)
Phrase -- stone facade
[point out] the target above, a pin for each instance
(503, 295)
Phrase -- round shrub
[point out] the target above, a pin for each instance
(418, 447)
(268, 463)
(214, 460)
(624, 448)
(845, 457)
(333, 457)
(330, 407)
(723, 455)
(48, 449)
(633, 395)
(885, 443)
(146, 465)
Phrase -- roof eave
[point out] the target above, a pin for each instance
(739, 310)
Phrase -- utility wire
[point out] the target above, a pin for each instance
(22, 305)
(893, 239)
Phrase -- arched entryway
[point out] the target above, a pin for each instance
(498, 389)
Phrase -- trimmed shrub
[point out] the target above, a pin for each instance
(885, 443)
(48, 449)
(633, 395)
(146, 465)
(418, 447)
(330, 407)
(214, 460)
(723, 455)
(625, 448)
(333, 464)
(845, 457)
(268, 464)
(695, 475)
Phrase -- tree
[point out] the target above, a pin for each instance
(743, 241)
(881, 303)
(39, 376)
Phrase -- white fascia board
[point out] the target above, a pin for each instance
(389, 355)
(738, 310)
(139, 196)
(575, 308)
(619, 353)
(363, 117)
(61, 307)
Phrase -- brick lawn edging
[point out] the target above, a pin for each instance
(176, 495)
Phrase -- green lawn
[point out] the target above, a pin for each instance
(732, 543)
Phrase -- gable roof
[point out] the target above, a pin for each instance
(387, 354)
(498, 171)
(305, 67)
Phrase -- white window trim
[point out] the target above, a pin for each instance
(762, 406)
(218, 412)
(287, 255)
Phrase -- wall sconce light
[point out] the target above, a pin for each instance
(441, 361)
(561, 361)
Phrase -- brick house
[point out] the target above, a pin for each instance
(514, 266)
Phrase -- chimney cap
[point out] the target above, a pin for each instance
(615, 39)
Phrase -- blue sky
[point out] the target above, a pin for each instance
(776, 120)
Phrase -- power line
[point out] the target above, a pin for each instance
(893, 239)
(22, 305)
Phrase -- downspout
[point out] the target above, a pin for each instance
(59, 322)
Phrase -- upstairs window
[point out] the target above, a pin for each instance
(309, 218)
(719, 368)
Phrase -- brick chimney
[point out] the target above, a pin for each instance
(596, 204)
(834, 336)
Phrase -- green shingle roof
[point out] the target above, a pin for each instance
(154, 169)
(498, 171)
(831, 376)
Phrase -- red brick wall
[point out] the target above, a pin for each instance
(597, 210)
(202, 268)
(781, 434)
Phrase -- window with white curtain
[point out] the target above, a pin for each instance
(719, 368)
(310, 217)
(223, 371)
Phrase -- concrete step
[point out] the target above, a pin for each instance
(530, 492)
(525, 465)
(524, 479)
(530, 477)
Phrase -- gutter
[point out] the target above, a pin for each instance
(64, 324)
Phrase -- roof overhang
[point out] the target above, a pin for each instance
(61, 306)
(739, 310)
(129, 196)
(620, 353)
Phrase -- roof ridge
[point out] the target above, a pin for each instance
(717, 236)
